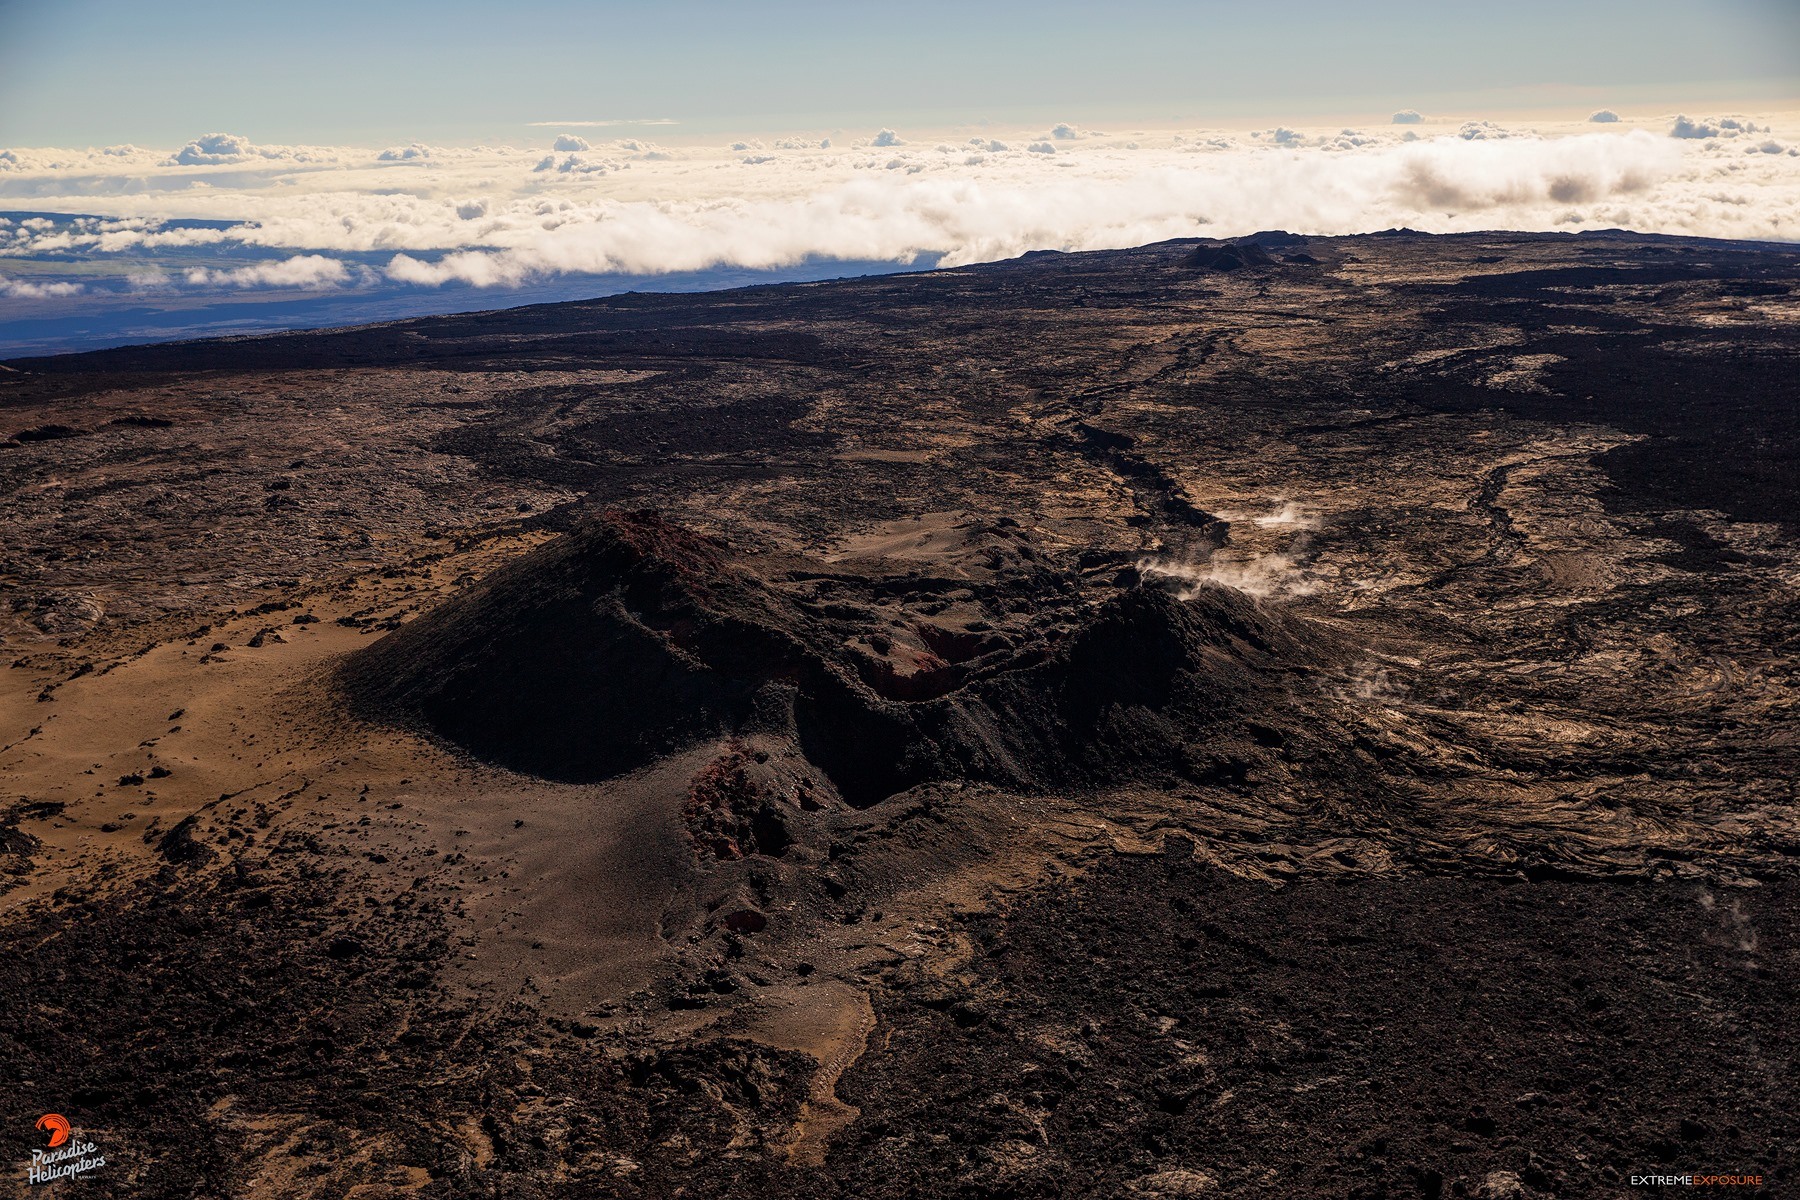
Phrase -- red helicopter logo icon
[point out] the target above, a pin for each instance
(57, 1126)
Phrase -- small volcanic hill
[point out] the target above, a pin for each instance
(1232, 256)
(631, 638)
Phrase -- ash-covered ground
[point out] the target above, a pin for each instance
(1299, 717)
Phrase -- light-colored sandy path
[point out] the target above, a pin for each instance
(832, 1023)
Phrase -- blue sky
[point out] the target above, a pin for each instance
(91, 72)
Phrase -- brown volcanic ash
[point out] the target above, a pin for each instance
(1284, 717)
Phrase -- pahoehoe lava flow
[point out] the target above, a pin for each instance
(1293, 716)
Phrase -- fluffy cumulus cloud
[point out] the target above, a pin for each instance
(1714, 127)
(227, 149)
(1604, 116)
(569, 141)
(26, 289)
(501, 216)
(213, 149)
(1473, 131)
(579, 164)
(309, 271)
(1408, 116)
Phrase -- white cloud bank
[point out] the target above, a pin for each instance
(301, 271)
(506, 215)
(25, 289)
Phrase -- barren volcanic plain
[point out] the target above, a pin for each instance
(1297, 717)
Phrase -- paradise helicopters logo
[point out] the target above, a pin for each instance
(62, 1158)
